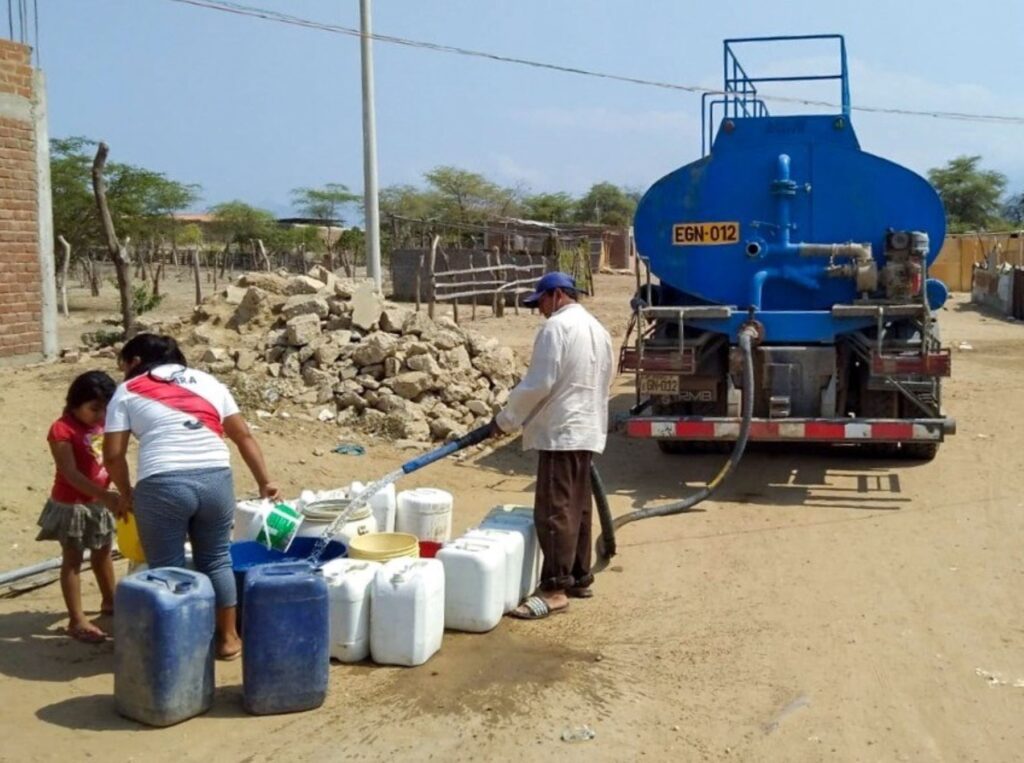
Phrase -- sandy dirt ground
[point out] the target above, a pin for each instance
(824, 607)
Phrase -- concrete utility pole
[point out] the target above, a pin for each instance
(370, 149)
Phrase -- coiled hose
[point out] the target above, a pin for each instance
(605, 546)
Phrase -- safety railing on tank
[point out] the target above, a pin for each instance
(740, 98)
(758, 108)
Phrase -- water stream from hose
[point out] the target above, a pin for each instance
(356, 502)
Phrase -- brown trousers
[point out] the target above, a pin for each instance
(562, 511)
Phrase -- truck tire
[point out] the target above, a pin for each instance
(919, 451)
(916, 451)
(879, 404)
(674, 447)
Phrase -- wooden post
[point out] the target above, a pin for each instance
(494, 277)
(515, 297)
(431, 276)
(472, 266)
(195, 275)
(455, 302)
(118, 251)
(419, 279)
(64, 275)
(263, 254)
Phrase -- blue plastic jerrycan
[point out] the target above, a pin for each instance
(286, 624)
(163, 645)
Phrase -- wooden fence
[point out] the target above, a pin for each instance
(495, 281)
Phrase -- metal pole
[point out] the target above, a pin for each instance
(370, 150)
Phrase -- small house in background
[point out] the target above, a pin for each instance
(610, 247)
(329, 230)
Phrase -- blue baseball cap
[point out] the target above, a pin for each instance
(550, 282)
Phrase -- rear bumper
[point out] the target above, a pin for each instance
(787, 430)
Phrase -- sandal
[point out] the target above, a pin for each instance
(536, 608)
(87, 635)
(580, 592)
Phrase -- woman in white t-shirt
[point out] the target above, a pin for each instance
(184, 486)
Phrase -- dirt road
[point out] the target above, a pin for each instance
(821, 608)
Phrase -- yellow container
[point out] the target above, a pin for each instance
(128, 542)
(379, 547)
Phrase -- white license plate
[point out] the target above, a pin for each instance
(651, 384)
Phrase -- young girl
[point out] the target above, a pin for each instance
(78, 513)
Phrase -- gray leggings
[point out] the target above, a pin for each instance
(199, 503)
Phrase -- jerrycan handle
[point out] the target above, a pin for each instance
(167, 578)
(288, 568)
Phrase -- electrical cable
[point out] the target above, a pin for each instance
(284, 18)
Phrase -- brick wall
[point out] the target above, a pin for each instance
(20, 287)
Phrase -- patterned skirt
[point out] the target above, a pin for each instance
(82, 525)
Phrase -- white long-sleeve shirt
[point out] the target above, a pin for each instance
(562, 403)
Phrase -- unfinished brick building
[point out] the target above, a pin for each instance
(27, 298)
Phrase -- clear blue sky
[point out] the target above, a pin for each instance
(251, 109)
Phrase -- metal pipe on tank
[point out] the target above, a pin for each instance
(806, 276)
(784, 190)
(857, 251)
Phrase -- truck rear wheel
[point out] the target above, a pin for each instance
(919, 451)
(674, 447)
(879, 404)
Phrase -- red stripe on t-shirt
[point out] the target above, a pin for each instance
(180, 399)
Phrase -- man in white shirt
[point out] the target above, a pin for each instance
(562, 407)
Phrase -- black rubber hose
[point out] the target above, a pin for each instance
(606, 540)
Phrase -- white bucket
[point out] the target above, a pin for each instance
(318, 515)
(425, 512)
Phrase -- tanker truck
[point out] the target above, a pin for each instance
(787, 248)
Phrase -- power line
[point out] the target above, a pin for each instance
(284, 18)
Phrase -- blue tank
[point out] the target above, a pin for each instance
(286, 655)
(163, 645)
(754, 225)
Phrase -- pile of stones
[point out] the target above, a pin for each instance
(336, 345)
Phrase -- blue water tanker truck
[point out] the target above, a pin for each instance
(787, 246)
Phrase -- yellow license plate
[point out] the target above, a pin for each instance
(651, 384)
(705, 234)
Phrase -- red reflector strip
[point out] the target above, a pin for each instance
(824, 431)
(764, 430)
(787, 430)
(887, 431)
(695, 429)
(638, 428)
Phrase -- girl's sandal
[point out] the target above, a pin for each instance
(87, 635)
